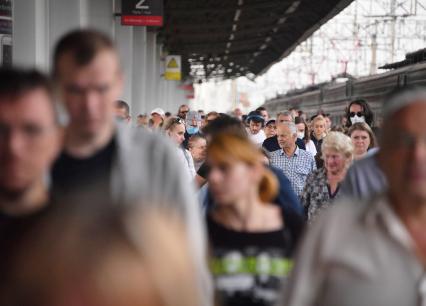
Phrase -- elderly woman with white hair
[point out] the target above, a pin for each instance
(322, 185)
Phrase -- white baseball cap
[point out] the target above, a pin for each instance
(159, 111)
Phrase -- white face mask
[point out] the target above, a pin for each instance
(300, 135)
(356, 119)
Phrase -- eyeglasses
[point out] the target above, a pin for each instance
(359, 114)
(184, 111)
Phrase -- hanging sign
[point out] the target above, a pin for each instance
(142, 12)
(173, 68)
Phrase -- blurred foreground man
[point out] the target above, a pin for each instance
(108, 162)
(374, 252)
(29, 143)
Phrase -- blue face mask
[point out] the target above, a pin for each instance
(192, 130)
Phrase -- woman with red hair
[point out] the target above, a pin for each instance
(252, 240)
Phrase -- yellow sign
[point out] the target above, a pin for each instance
(172, 64)
(173, 68)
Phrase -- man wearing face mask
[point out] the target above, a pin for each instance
(359, 111)
(192, 126)
(193, 122)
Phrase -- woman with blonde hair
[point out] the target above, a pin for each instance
(323, 185)
(318, 131)
(251, 238)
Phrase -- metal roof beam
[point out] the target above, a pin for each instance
(266, 4)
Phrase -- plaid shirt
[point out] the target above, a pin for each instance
(296, 167)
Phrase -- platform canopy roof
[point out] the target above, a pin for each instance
(230, 38)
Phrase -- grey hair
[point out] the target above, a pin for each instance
(292, 127)
(285, 113)
(402, 98)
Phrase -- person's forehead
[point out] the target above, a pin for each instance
(121, 110)
(409, 116)
(359, 132)
(34, 106)
(105, 64)
(284, 117)
(283, 129)
(121, 113)
(355, 106)
(332, 151)
(200, 142)
(255, 123)
(179, 127)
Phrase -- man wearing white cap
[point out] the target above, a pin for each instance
(157, 118)
(373, 252)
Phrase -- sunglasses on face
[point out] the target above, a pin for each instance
(359, 114)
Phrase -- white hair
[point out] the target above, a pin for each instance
(286, 113)
(338, 142)
(292, 127)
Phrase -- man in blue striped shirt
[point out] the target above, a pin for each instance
(294, 162)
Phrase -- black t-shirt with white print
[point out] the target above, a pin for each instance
(249, 268)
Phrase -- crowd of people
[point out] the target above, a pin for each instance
(194, 208)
